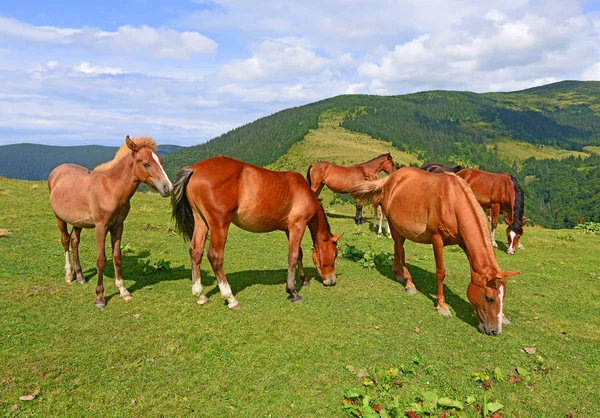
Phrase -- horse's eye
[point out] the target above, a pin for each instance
(489, 299)
(146, 165)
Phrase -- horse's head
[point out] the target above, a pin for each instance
(148, 168)
(487, 297)
(389, 166)
(513, 233)
(324, 256)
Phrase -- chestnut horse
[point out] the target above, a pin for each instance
(100, 199)
(498, 193)
(218, 191)
(341, 179)
(442, 210)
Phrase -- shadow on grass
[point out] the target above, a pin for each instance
(426, 283)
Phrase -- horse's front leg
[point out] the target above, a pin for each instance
(216, 251)
(440, 274)
(295, 238)
(301, 273)
(101, 232)
(75, 239)
(115, 239)
(494, 213)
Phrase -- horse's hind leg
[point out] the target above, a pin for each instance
(196, 252)
(440, 274)
(115, 239)
(75, 239)
(358, 219)
(64, 240)
(494, 213)
(216, 250)
(400, 271)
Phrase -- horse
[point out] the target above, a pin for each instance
(439, 168)
(218, 191)
(498, 193)
(100, 199)
(442, 210)
(340, 179)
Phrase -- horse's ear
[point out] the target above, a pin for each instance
(510, 273)
(336, 238)
(507, 221)
(132, 146)
(524, 221)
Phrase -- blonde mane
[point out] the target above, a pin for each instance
(141, 142)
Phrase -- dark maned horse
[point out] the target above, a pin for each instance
(100, 199)
(439, 168)
(341, 179)
(218, 191)
(498, 193)
(442, 210)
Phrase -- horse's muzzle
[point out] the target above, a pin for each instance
(329, 281)
(164, 189)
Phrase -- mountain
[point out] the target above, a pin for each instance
(35, 162)
(447, 126)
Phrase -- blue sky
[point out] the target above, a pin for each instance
(185, 71)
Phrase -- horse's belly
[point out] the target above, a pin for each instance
(255, 223)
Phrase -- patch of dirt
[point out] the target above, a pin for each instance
(4, 232)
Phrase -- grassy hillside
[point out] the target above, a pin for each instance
(35, 162)
(519, 151)
(163, 355)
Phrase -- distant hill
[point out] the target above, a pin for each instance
(35, 162)
(446, 126)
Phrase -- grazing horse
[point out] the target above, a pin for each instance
(341, 179)
(442, 210)
(218, 191)
(100, 199)
(498, 193)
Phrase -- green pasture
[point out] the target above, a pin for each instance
(519, 151)
(161, 354)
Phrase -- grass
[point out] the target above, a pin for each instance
(163, 355)
(519, 151)
(591, 148)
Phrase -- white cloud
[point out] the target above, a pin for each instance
(592, 73)
(144, 40)
(86, 68)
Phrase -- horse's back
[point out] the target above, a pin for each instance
(488, 188)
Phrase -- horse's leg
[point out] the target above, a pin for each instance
(75, 239)
(375, 214)
(358, 219)
(494, 212)
(301, 273)
(196, 253)
(115, 239)
(294, 240)
(64, 240)
(216, 250)
(380, 216)
(440, 274)
(389, 232)
(400, 271)
(100, 264)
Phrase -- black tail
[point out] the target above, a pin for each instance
(517, 221)
(308, 176)
(182, 211)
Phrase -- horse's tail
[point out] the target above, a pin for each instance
(308, 179)
(519, 207)
(182, 210)
(367, 191)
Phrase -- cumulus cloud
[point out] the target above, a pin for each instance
(86, 68)
(144, 40)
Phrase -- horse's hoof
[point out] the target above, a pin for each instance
(100, 305)
(411, 290)
(494, 244)
(505, 320)
(127, 297)
(236, 307)
(444, 312)
(401, 280)
(306, 282)
(202, 300)
(81, 281)
(379, 235)
(298, 300)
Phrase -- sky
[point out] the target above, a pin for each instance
(186, 71)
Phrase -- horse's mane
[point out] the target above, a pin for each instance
(379, 156)
(445, 168)
(141, 142)
(325, 217)
(517, 221)
(479, 215)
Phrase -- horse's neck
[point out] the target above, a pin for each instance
(123, 182)
(478, 247)
(373, 166)
(318, 227)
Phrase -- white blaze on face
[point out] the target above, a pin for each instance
(162, 170)
(511, 248)
(500, 315)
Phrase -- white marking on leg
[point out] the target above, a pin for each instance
(196, 287)
(511, 248)
(500, 315)
(122, 290)
(68, 269)
(227, 294)
(163, 170)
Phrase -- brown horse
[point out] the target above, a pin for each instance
(100, 199)
(218, 191)
(498, 193)
(341, 179)
(441, 210)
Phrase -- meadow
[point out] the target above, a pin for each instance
(161, 354)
